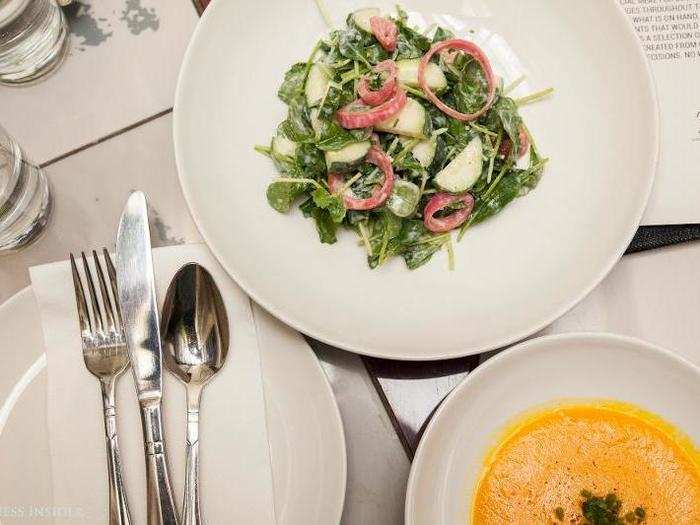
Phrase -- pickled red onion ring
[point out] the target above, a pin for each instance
(475, 52)
(524, 140)
(380, 194)
(385, 31)
(358, 115)
(374, 98)
(440, 201)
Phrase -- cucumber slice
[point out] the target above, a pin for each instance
(424, 151)
(347, 158)
(361, 18)
(316, 123)
(404, 198)
(410, 121)
(282, 146)
(464, 170)
(408, 74)
(316, 85)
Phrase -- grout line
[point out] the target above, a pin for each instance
(105, 138)
(388, 408)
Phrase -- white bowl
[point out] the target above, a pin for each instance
(450, 457)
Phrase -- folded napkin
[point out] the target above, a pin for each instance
(236, 475)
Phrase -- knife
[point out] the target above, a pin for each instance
(137, 298)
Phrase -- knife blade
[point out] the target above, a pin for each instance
(137, 297)
(139, 309)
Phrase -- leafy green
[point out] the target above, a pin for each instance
(384, 230)
(293, 84)
(442, 34)
(332, 203)
(363, 187)
(418, 244)
(410, 43)
(411, 232)
(351, 44)
(389, 236)
(404, 161)
(469, 90)
(332, 136)
(311, 161)
(507, 190)
(408, 163)
(354, 217)
(297, 126)
(376, 53)
(282, 194)
(334, 100)
(325, 226)
(507, 112)
(285, 164)
(308, 164)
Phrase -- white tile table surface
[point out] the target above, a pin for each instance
(122, 68)
(651, 295)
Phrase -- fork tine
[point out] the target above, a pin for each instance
(96, 311)
(83, 316)
(112, 274)
(106, 302)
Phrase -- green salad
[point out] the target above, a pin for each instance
(401, 136)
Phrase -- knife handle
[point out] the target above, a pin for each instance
(159, 502)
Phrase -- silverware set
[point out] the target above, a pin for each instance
(120, 328)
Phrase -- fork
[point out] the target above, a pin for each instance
(106, 357)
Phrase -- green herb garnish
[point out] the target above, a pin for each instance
(605, 510)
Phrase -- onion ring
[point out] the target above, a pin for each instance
(524, 140)
(358, 115)
(385, 31)
(440, 201)
(474, 51)
(374, 98)
(380, 194)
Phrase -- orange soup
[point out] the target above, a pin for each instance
(537, 472)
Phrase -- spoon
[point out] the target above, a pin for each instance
(196, 336)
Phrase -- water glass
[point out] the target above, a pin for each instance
(33, 39)
(25, 197)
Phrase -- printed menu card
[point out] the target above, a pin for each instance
(669, 31)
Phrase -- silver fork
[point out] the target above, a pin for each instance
(106, 357)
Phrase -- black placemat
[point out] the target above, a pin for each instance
(651, 237)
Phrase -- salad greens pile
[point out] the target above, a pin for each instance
(474, 167)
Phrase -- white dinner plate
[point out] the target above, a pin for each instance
(451, 453)
(307, 444)
(516, 272)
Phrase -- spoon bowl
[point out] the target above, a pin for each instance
(195, 326)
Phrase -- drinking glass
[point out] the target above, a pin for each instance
(33, 39)
(25, 197)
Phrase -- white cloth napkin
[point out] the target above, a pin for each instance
(236, 475)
